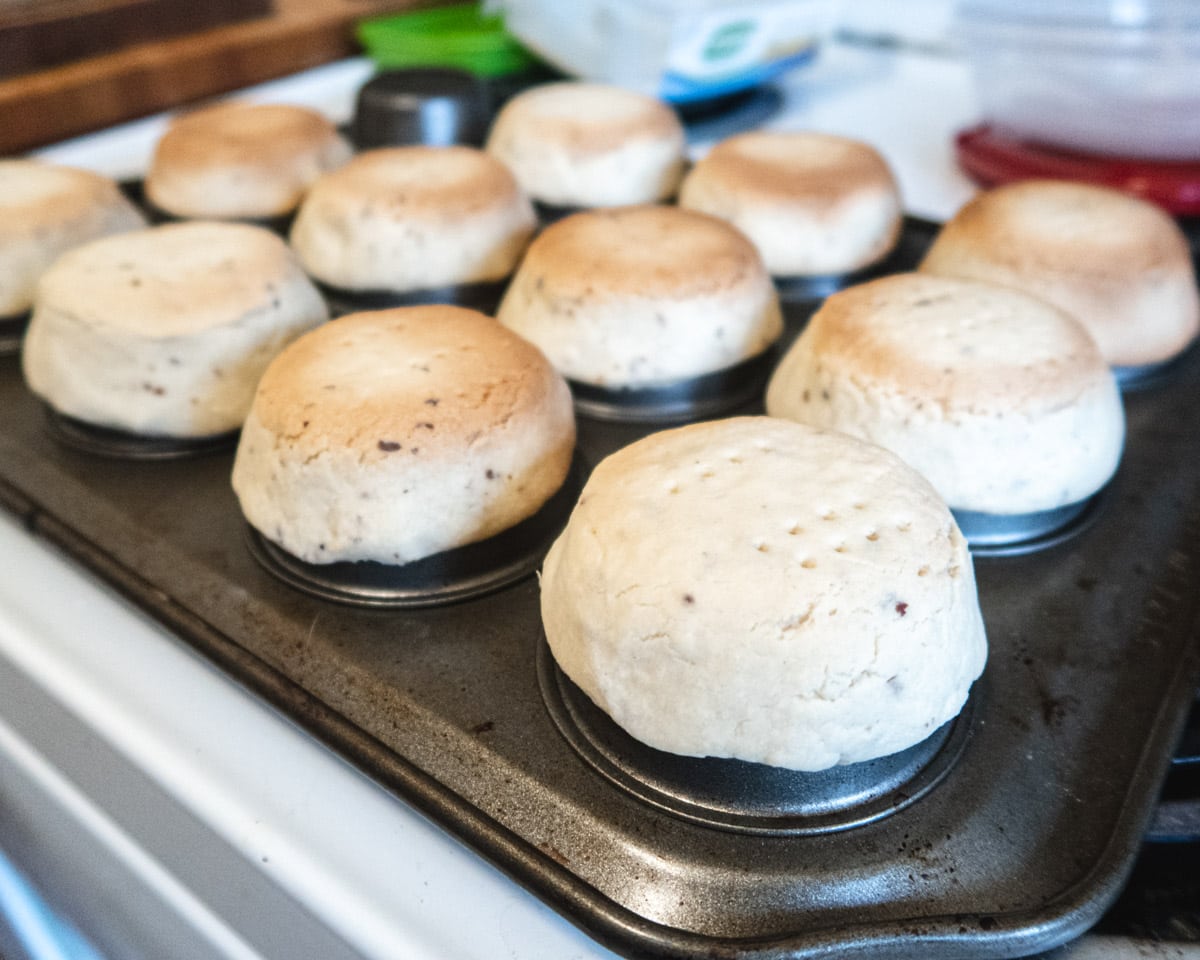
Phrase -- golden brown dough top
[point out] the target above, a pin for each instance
(430, 377)
(1073, 228)
(586, 118)
(439, 183)
(651, 251)
(795, 165)
(36, 195)
(956, 343)
(241, 134)
(172, 280)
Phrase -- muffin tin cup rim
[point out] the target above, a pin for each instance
(280, 223)
(1021, 534)
(788, 802)
(810, 288)
(126, 445)
(484, 296)
(701, 396)
(1147, 376)
(12, 332)
(451, 576)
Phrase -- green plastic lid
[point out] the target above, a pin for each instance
(455, 36)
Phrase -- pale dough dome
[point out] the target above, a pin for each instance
(756, 589)
(412, 218)
(1119, 265)
(46, 210)
(814, 204)
(575, 144)
(397, 434)
(642, 296)
(242, 160)
(1002, 401)
(166, 330)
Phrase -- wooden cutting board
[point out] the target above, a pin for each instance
(51, 104)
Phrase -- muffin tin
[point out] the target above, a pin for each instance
(105, 442)
(483, 296)
(12, 332)
(1007, 833)
(1006, 535)
(693, 398)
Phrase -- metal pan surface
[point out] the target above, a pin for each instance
(1007, 535)
(748, 797)
(484, 297)
(106, 442)
(690, 399)
(12, 332)
(1019, 846)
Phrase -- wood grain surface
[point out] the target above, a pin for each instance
(48, 105)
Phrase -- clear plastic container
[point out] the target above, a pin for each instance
(681, 50)
(1114, 77)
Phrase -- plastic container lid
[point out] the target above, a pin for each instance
(456, 36)
(992, 158)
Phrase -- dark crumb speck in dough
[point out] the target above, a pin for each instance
(689, 599)
(902, 608)
(490, 474)
(432, 401)
(388, 446)
(154, 389)
(425, 426)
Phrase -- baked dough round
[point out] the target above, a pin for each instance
(756, 589)
(637, 297)
(242, 160)
(1120, 265)
(412, 218)
(46, 210)
(814, 204)
(576, 144)
(1002, 401)
(165, 331)
(397, 434)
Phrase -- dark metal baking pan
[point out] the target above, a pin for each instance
(121, 444)
(693, 398)
(135, 190)
(484, 296)
(800, 297)
(1008, 535)
(1019, 846)
(12, 332)
(749, 797)
(450, 576)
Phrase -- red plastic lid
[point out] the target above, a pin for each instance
(991, 159)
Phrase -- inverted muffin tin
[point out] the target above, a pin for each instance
(106, 442)
(12, 332)
(1009, 836)
(693, 398)
(1007, 535)
(462, 573)
(484, 296)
